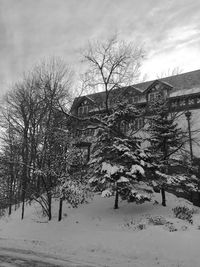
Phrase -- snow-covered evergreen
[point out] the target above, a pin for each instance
(118, 163)
(166, 139)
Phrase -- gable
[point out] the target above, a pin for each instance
(84, 100)
(81, 101)
(157, 88)
(158, 85)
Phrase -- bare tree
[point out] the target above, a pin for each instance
(170, 72)
(112, 64)
(54, 80)
(31, 109)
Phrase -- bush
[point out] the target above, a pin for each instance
(183, 213)
(157, 220)
(134, 225)
(170, 227)
(141, 226)
(2, 212)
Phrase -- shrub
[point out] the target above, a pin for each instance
(170, 227)
(141, 226)
(157, 220)
(183, 213)
(135, 225)
(2, 212)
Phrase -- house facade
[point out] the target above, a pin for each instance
(182, 92)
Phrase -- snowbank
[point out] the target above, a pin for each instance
(97, 234)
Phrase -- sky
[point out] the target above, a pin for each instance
(31, 30)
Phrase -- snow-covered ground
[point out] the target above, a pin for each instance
(97, 234)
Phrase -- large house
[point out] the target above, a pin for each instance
(182, 91)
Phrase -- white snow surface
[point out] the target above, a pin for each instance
(95, 234)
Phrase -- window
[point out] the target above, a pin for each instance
(153, 96)
(191, 101)
(182, 103)
(82, 110)
(137, 124)
(124, 127)
(135, 99)
(175, 104)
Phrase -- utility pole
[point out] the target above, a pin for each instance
(188, 117)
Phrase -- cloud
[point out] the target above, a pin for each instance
(31, 30)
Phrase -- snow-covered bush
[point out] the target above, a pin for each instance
(2, 212)
(157, 220)
(169, 226)
(74, 192)
(141, 226)
(183, 213)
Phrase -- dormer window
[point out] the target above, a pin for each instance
(153, 96)
(135, 99)
(82, 110)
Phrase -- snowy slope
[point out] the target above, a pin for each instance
(95, 233)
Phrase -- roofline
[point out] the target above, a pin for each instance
(134, 86)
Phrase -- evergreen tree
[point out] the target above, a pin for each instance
(118, 163)
(166, 138)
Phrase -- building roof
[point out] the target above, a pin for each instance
(179, 82)
(185, 80)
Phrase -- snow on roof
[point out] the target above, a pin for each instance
(193, 90)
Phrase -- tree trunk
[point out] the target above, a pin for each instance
(25, 169)
(11, 185)
(162, 188)
(60, 209)
(10, 198)
(23, 197)
(23, 204)
(49, 207)
(163, 196)
(10, 208)
(116, 206)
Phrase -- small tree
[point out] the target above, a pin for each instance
(72, 187)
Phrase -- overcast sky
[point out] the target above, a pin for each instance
(33, 29)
